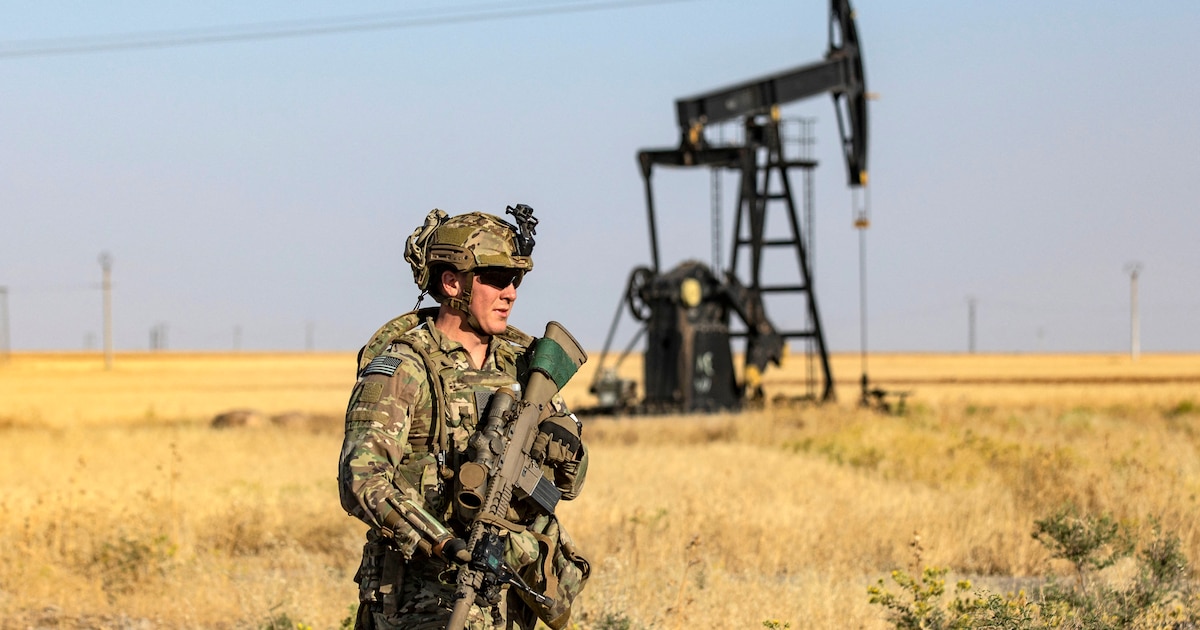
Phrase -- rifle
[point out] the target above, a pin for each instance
(502, 468)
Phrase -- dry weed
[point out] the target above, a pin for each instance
(122, 507)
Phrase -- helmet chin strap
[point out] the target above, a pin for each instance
(462, 303)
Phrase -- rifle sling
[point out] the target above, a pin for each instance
(499, 521)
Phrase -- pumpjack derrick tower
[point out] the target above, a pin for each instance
(687, 310)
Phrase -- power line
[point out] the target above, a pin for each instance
(56, 288)
(308, 28)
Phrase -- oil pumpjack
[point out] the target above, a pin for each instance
(686, 311)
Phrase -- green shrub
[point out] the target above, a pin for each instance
(1182, 408)
(611, 620)
(1161, 595)
(129, 562)
(1089, 543)
(283, 621)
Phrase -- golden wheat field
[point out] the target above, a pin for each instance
(123, 508)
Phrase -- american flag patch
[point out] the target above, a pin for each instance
(384, 365)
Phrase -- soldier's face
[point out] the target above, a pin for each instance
(491, 306)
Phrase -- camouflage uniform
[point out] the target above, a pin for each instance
(397, 466)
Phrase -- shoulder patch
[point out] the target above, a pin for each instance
(372, 392)
(385, 365)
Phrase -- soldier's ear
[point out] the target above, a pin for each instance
(451, 283)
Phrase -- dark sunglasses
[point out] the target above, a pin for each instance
(500, 277)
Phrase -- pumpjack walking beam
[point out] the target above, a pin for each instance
(840, 74)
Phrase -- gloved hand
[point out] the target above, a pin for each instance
(557, 440)
(454, 549)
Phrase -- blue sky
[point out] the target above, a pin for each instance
(1022, 153)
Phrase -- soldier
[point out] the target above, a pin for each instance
(421, 381)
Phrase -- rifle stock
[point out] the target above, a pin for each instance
(502, 444)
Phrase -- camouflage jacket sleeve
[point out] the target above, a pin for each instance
(380, 478)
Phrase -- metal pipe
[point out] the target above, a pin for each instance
(646, 171)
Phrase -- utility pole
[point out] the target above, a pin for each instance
(158, 336)
(1135, 343)
(5, 348)
(971, 302)
(309, 328)
(106, 285)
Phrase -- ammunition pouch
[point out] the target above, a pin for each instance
(380, 576)
(556, 569)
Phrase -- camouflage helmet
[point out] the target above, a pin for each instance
(466, 242)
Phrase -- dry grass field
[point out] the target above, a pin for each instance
(122, 508)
